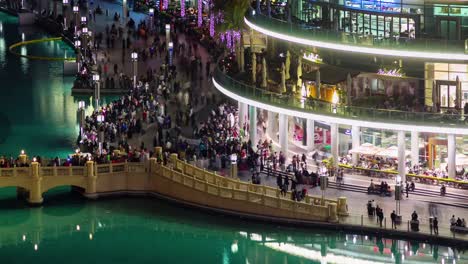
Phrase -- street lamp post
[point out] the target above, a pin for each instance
(76, 9)
(168, 35)
(78, 53)
(81, 115)
(170, 50)
(135, 64)
(100, 119)
(84, 30)
(124, 11)
(65, 14)
(151, 13)
(97, 91)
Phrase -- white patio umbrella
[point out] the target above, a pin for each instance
(254, 67)
(264, 73)
(299, 72)
(366, 149)
(288, 65)
(283, 78)
(391, 152)
(318, 83)
(349, 83)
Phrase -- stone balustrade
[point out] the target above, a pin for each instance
(178, 181)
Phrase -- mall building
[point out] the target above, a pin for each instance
(343, 73)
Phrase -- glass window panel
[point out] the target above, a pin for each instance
(458, 67)
(441, 66)
(441, 75)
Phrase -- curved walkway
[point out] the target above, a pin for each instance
(232, 89)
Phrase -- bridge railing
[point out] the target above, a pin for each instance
(203, 180)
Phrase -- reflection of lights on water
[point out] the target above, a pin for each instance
(77, 227)
(90, 236)
(354, 239)
(317, 255)
(234, 247)
(36, 247)
(1, 27)
(23, 37)
(24, 237)
(255, 237)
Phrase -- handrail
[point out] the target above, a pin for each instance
(338, 110)
(187, 170)
(298, 30)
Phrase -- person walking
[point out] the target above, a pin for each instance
(393, 218)
(435, 225)
(407, 189)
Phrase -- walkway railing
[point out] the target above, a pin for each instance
(324, 108)
(209, 182)
(354, 39)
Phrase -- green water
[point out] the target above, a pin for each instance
(144, 230)
(37, 111)
(38, 114)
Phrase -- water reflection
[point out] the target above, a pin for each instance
(37, 109)
(163, 232)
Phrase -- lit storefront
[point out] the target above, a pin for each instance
(388, 18)
(446, 84)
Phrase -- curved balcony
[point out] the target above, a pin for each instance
(431, 49)
(338, 113)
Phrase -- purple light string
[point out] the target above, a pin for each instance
(200, 13)
(212, 25)
(182, 8)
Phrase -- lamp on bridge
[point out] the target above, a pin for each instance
(22, 157)
(233, 158)
(100, 119)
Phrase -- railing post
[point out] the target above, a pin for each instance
(91, 188)
(70, 170)
(362, 220)
(111, 168)
(35, 194)
(54, 171)
(15, 173)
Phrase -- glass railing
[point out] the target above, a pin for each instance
(301, 30)
(339, 110)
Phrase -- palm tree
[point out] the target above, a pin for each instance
(233, 13)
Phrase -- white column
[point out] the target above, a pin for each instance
(242, 114)
(401, 156)
(414, 148)
(253, 126)
(334, 141)
(451, 149)
(271, 131)
(310, 134)
(283, 133)
(356, 142)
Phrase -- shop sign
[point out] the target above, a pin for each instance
(313, 57)
(393, 72)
